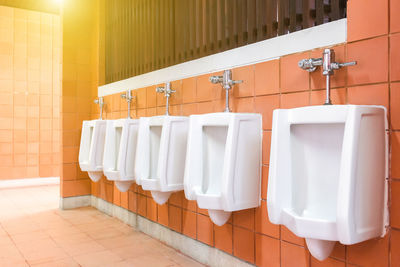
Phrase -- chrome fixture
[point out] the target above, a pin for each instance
(128, 96)
(227, 83)
(167, 93)
(328, 66)
(100, 101)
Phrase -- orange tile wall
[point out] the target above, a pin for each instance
(374, 41)
(29, 93)
(80, 61)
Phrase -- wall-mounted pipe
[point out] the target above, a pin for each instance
(227, 83)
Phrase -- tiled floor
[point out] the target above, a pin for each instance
(34, 232)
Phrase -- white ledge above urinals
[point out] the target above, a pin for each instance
(161, 152)
(120, 152)
(328, 174)
(223, 163)
(92, 147)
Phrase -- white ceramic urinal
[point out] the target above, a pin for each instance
(161, 152)
(223, 163)
(92, 147)
(328, 174)
(120, 151)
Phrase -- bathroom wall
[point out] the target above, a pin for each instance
(373, 40)
(29, 93)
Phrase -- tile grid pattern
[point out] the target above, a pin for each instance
(281, 84)
(34, 232)
(29, 94)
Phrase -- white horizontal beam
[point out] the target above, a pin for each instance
(324, 35)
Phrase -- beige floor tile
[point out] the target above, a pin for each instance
(34, 232)
(102, 258)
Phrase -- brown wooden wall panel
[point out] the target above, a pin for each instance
(146, 35)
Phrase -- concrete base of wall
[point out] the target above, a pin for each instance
(188, 246)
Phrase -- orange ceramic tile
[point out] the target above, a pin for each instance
(176, 198)
(19, 159)
(243, 244)
(267, 251)
(6, 160)
(189, 109)
(189, 204)
(292, 77)
(6, 123)
(264, 182)
(141, 99)
(377, 94)
(161, 100)
(189, 90)
(265, 105)
(205, 230)
(266, 146)
(244, 218)
(205, 107)
(395, 57)
(205, 90)
(176, 98)
(295, 100)
(293, 255)
(162, 215)
(242, 105)
(150, 112)
(132, 199)
(318, 81)
(189, 223)
(75, 188)
(394, 18)
(395, 204)
(373, 252)
(151, 96)
(329, 262)
(6, 148)
(288, 236)
(69, 171)
(266, 77)
(358, 11)
(47, 171)
(141, 205)
(339, 252)
(223, 237)
(6, 136)
(395, 247)
(371, 67)
(151, 207)
(6, 111)
(124, 200)
(245, 74)
(175, 218)
(395, 106)
(116, 196)
(263, 225)
(338, 96)
(19, 148)
(45, 159)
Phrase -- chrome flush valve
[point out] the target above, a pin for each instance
(328, 67)
(100, 101)
(167, 93)
(227, 83)
(128, 96)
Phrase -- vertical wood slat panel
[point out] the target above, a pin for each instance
(319, 9)
(145, 35)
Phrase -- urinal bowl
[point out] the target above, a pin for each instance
(92, 147)
(162, 149)
(327, 174)
(120, 152)
(223, 163)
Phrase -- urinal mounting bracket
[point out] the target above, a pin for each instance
(128, 96)
(100, 101)
(167, 93)
(327, 61)
(227, 83)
